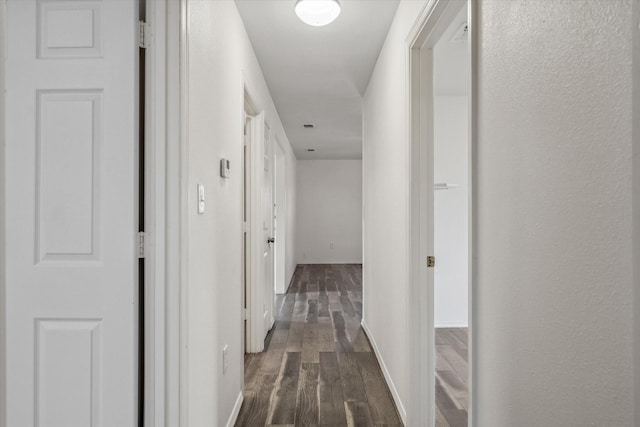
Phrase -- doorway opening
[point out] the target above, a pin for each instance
(441, 215)
(249, 116)
(258, 219)
(451, 70)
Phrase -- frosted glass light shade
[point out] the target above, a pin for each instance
(317, 12)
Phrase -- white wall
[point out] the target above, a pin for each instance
(220, 62)
(291, 180)
(451, 219)
(385, 164)
(280, 196)
(329, 212)
(553, 226)
(553, 275)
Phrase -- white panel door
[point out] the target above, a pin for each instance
(256, 298)
(267, 228)
(71, 212)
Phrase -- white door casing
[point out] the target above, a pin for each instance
(427, 30)
(247, 294)
(71, 212)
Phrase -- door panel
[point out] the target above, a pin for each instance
(71, 212)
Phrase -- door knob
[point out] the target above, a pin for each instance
(271, 240)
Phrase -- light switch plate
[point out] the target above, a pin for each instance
(200, 198)
(225, 168)
(225, 359)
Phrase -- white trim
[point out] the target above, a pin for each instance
(387, 375)
(236, 410)
(154, 196)
(3, 348)
(426, 31)
(451, 325)
(182, 99)
(473, 20)
(290, 279)
(329, 262)
(162, 215)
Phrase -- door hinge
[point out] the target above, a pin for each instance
(431, 261)
(245, 227)
(141, 241)
(144, 34)
(245, 314)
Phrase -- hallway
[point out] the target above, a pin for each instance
(318, 367)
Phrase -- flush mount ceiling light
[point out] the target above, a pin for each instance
(317, 12)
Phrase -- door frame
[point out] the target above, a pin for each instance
(164, 207)
(253, 257)
(433, 20)
(3, 348)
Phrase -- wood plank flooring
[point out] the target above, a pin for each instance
(318, 368)
(452, 373)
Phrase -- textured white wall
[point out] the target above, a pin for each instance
(220, 59)
(451, 218)
(553, 275)
(385, 164)
(329, 212)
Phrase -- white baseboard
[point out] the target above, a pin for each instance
(288, 282)
(326, 262)
(451, 325)
(394, 391)
(236, 410)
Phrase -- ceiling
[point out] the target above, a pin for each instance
(318, 75)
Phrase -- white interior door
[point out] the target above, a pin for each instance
(71, 212)
(268, 230)
(256, 291)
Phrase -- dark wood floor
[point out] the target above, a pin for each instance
(452, 372)
(318, 368)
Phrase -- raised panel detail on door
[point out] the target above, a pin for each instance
(68, 141)
(69, 29)
(68, 375)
